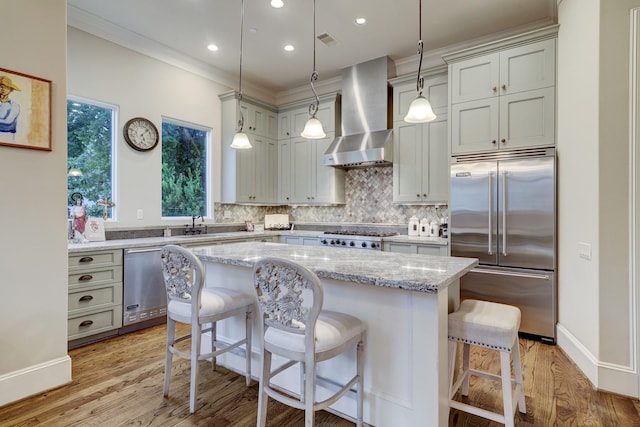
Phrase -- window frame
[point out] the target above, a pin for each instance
(208, 214)
(115, 114)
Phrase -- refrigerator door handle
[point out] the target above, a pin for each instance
(513, 274)
(504, 213)
(490, 216)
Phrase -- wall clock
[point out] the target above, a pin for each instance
(141, 134)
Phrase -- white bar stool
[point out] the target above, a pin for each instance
(494, 326)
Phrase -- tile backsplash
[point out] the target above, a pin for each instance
(369, 199)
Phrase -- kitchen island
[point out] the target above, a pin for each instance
(404, 301)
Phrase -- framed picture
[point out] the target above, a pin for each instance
(25, 111)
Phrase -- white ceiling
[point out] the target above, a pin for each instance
(180, 30)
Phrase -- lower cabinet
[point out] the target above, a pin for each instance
(300, 240)
(94, 296)
(415, 248)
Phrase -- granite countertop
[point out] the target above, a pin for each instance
(421, 273)
(213, 237)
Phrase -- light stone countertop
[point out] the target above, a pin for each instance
(213, 237)
(421, 273)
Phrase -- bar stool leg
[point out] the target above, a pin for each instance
(519, 380)
(507, 392)
(465, 367)
(453, 347)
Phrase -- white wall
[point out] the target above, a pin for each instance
(33, 259)
(142, 86)
(596, 319)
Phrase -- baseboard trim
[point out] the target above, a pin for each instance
(34, 379)
(603, 376)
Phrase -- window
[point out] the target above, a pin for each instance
(90, 143)
(184, 169)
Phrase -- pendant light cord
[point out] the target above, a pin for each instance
(241, 119)
(420, 81)
(313, 108)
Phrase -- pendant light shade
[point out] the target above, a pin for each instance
(240, 139)
(420, 110)
(313, 127)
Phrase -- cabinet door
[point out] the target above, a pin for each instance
(245, 173)
(271, 125)
(429, 250)
(435, 161)
(327, 182)
(257, 119)
(407, 162)
(528, 67)
(475, 78)
(301, 166)
(284, 171)
(405, 248)
(266, 161)
(436, 90)
(474, 126)
(284, 125)
(527, 119)
(326, 114)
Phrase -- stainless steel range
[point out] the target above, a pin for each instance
(354, 239)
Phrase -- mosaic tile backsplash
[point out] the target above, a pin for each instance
(369, 199)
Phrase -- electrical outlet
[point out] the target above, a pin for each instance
(139, 214)
(584, 250)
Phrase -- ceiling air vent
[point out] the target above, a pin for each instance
(327, 39)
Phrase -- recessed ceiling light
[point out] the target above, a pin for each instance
(212, 48)
(360, 21)
(277, 4)
(289, 48)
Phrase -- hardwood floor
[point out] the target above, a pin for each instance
(119, 382)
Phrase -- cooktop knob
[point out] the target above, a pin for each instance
(333, 242)
(352, 244)
(324, 241)
(344, 242)
(374, 245)
(364, 244)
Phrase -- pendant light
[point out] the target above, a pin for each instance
(420, 109)
(313, 127)
(240, 139)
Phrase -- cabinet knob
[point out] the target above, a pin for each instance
(503, 140)
(504, 87)
(494, 88)
(493, 142)
(287, 198)
(424, 195)
(418, 196)
(287, 133)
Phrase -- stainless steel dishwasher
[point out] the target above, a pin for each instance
(145, 297)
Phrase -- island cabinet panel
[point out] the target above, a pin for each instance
(249, 176)
(302, 176)
(95, 295)
(300, 240)
(405, 360)
(503, 93)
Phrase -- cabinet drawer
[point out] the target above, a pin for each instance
(95, 259)
(94, 298)
(90, 324)
(95, 277)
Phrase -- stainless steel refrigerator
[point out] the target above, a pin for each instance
(503, 212)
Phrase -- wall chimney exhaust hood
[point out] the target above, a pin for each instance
(367, 108)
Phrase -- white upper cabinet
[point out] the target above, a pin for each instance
(421, 151)
(503, 94)
(302, 176)
(249, 176)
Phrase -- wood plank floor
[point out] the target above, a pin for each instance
(119, 382)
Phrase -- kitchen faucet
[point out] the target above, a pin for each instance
(193, 228)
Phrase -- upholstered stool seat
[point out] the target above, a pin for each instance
(490, 325)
